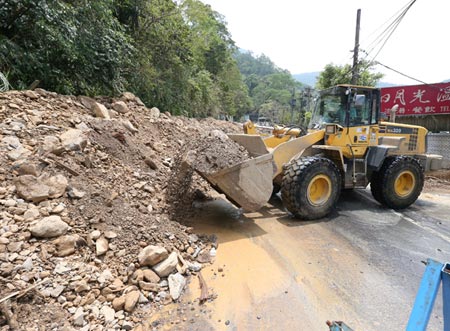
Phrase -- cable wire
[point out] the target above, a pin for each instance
(400, 73)
(383, 38)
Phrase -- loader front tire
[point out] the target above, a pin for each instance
(399, 182)
(310, 187)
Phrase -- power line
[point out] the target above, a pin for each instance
(400, 73)
(393, 29)
(387, 33)
(390, 22)
(395, 15)
(408, 76)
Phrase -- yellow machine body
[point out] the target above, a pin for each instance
(345, 128)
(355, 141)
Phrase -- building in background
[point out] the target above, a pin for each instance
(427, 105)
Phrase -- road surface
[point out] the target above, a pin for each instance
(362, 265)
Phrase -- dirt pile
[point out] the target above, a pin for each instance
(215, 151)
(438, 180)
(86, 238)
(209, 153)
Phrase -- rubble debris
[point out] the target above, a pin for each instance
(176, 284)
(215, 151)
(84, 190)
(49, 227)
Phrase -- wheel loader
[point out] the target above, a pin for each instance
(347, 146)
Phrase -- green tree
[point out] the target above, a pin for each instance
(270, 87)
(335, 74)
(176, 55)
(71, 47)
(212, 50)
(250, 64)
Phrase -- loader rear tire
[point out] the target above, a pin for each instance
(311, 187)
(399, 182)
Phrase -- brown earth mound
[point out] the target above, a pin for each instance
(85, 187)
(215, 151)
(210, 153)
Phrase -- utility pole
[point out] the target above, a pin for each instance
(293, 103)
(355, 50)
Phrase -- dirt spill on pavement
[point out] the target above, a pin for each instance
(243, 272)
(264, 277)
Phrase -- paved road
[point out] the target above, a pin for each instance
(363, 265)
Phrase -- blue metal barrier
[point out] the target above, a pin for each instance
(429, 286)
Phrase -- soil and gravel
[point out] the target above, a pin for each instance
(88, 234)
(437, 181)
(216, 151)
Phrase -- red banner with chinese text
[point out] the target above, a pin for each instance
(432, 99)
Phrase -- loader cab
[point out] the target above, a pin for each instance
(349, 115)
(346, 106)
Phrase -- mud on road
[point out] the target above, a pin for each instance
(362, 264)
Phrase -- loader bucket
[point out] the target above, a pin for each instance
(247, 184)
(254, 144)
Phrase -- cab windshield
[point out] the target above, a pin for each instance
(344, 106)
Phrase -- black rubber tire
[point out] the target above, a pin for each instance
(298, 174)
(384, 190)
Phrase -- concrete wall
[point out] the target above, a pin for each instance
(434, 123)
(439, 143)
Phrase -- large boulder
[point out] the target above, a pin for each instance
(128, 96)
(100, 111)
(52, 144)
(131, 299)
(166, 267)
(101, 246)
(74, 140)
(57, 184)
(87, 102)
(151, 255)
(120, 107)
(31, 189)
(66, 245)
(41, 188)
(176, 284)
(49, 227)
(154, 112)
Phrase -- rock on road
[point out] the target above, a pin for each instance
(362, 264)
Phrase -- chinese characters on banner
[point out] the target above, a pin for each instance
(431, 99)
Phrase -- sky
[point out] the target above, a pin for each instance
(304, 36)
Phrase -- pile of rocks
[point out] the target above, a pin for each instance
(86, 235)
